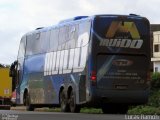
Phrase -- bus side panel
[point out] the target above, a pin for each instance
(34, 79)
(43, 79)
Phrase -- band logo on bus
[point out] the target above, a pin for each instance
(122, 34)
(68, 60)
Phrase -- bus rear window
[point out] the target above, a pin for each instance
(127, 35)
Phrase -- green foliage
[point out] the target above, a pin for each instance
(4, 66)
(155, 75)
(83, 110)
(153, 106)
(91, 110)
(154, 99)
(155, 82)
(146, 110)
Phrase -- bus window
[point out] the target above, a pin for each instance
(44, 41)
(37, 43)
(54, 39)
(31, 44)
(62, 32)
(83, 27)
(22, 46)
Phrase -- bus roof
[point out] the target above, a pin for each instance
(79, 19)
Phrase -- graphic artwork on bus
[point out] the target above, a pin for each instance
(115, 34)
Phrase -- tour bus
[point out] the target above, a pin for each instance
(100, 61)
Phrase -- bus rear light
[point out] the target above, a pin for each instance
(93, 76)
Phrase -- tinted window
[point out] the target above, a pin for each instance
(62, 32)
(37, 43)
(44, 42)
(114, 35)
(72, 36)
(84, 27)
(31, 43)
(22, 46)
(54, 39)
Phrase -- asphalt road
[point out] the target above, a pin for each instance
(25, 115)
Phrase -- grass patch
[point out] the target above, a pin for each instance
(145, 110)
(83, 110)
(91, 110)
(52, 110)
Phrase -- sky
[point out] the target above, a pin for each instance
(18, 17)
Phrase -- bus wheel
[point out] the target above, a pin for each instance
(63, 102)
(29, 107)
(72, 103)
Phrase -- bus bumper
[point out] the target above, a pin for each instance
(130, 97)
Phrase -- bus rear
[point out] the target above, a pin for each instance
(120, 59)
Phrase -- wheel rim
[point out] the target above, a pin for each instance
(27, 102)
(72, 102)
(24, 101)
(62, 101)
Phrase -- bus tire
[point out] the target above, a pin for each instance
(63, 102)
(72, 103)
(29, 107)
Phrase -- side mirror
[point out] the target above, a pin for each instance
(12, 73)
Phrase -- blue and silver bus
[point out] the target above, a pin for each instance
(100, 61)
